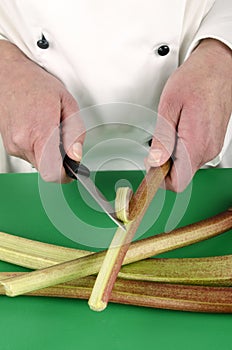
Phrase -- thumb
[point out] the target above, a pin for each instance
(72, 127)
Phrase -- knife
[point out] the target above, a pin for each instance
(80, 172)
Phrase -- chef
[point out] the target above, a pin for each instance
(107, 70)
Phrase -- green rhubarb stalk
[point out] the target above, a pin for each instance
(136, 208)
(209, 271)
(109, 270)
(37, 255)
(90, 264)
(34, 254)
(148, 294)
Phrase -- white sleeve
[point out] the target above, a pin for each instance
(2, 34)
(217, 24)
(2, 37)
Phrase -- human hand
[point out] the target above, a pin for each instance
(33, 103)
(193, 114)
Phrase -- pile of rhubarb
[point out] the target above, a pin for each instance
(126, 273)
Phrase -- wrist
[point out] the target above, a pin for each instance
(215, 47)
(10, 52)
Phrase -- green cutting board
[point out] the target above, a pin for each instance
(65, 215)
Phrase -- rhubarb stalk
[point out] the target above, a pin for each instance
(90, 264)
(148, 294)
(213, 271)
(121, 241)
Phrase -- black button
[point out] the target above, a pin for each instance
(163, 50)
(43, 43)
(150, 142)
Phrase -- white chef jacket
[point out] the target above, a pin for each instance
(106, 53)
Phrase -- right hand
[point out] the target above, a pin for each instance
(33, 103)
(193, 113)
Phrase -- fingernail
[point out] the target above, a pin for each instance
(147, 166)
(154, 156)
(77, 151)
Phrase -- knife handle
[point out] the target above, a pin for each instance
(76, 167)
(73, 167)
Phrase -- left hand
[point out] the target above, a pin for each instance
(194, 111)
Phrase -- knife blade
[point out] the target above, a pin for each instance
(78, 171)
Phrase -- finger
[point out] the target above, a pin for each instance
(48, 157)
(28, 157)
(164, 138)
(48, 147)
(45, 143)
(19, 152)
(190, 149)
(182, 169)
(72, 126)
(22, 144)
